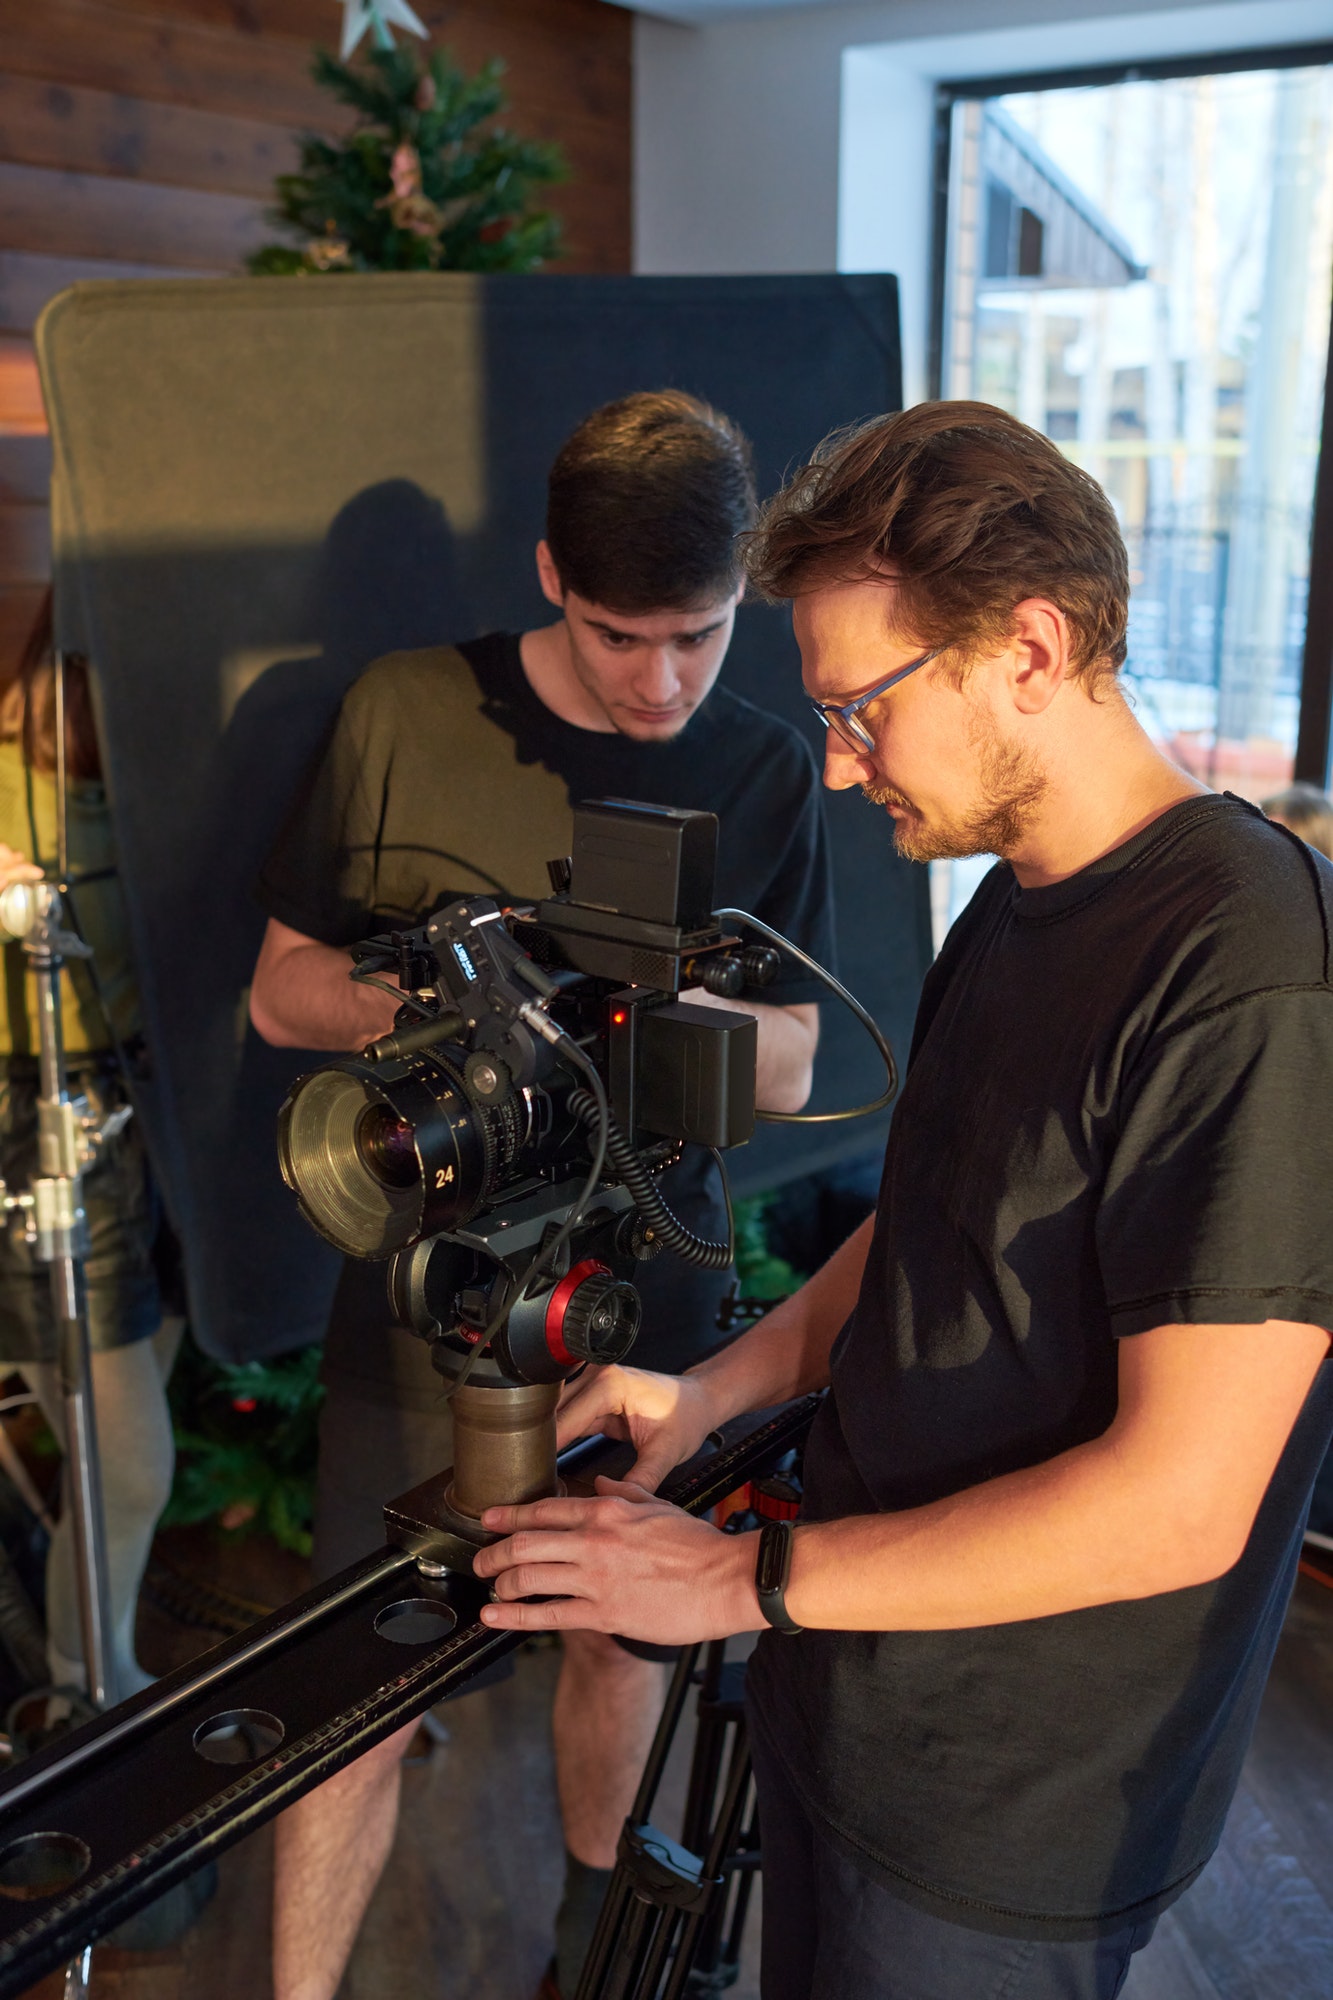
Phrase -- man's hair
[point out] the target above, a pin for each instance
(972, 511)
(647, 502)
(1308, 812)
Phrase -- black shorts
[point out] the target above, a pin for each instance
(121, 1274)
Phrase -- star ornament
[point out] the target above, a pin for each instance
(380, 17)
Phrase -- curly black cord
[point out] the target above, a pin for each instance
(630, 1169)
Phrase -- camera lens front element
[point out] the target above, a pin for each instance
(379, 1154)
(386, 1144)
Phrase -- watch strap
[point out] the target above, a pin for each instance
(771, 1571)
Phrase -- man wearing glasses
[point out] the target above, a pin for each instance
(1012, 1653)
(452, 772)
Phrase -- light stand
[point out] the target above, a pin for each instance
(55, 1228)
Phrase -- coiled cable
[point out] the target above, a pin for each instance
(669, 1230)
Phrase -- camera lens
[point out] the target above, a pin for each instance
(385, 1143)
(378, 1157)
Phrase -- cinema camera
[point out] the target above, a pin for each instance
(501, 1146)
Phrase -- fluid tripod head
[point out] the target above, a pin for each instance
(502, 1145)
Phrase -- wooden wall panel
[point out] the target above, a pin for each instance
(163, 61)
(78, 215)
(25, 470)
(21, 412)
(143, 136)
(25, 545)
(44, 124)
(19, 605)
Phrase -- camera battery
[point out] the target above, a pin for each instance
(696, 1073)
(651, 862)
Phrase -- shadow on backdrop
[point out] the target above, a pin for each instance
(387, 580)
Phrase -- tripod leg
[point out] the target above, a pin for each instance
(725, 1835)
(84, 1483)
(748, 1846)
(619, 1933)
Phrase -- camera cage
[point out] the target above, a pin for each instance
(537, 1051)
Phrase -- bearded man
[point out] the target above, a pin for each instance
(1077, 1360)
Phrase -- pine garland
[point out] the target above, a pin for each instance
(246, 1444)
(762, 1273)
(418, 185)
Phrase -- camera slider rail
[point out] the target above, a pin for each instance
(94, 1827)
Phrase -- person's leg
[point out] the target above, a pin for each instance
(331, 1847)
(607, 1704)
(329, 1852)
(137, 1458)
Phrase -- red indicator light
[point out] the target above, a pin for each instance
(619, 1018)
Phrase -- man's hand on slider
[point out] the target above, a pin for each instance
(625, 1562)
(666, 1417)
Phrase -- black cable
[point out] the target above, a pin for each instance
(403, 998)
(668, 1228)
(719, 1161)
(835, 986)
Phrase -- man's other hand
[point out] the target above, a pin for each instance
(625, 1563)
(665, 1417)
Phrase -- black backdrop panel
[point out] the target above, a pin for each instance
(262, 485)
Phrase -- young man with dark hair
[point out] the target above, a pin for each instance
(453, 772)
(1077, 1371)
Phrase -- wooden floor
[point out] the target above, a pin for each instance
(464, 1911)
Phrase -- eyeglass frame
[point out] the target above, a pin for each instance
(844, 717)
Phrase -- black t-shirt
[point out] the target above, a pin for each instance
(446, 776)
(1118, 1115)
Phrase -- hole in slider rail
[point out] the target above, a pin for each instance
(238, 1736)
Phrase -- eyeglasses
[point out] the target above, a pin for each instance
(844, 718)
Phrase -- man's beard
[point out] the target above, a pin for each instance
(1013, 786)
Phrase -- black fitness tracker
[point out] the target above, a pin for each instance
(771, 1570)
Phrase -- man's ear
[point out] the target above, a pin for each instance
(548, 576)
(1039, 644)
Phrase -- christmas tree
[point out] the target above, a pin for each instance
(424, 181)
